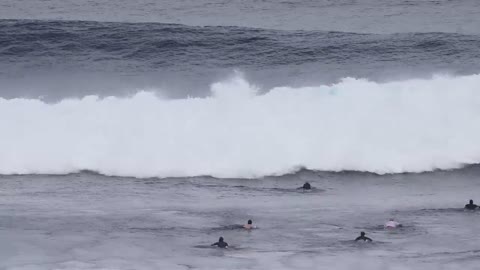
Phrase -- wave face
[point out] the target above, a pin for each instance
(356, 124)
(63, 59)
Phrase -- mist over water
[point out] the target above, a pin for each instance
(133, 134)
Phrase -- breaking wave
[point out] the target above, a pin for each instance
(404, 126)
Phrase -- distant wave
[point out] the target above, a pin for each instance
(356, 125)
(35, 44)
(59, 59)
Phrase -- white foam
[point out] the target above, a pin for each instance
(405, 126)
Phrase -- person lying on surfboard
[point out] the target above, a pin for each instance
(392, 224)
(363, 237)
(471, 206)
(306, 186)
(249, 225)
(220, 243)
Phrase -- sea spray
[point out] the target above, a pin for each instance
(403, 126)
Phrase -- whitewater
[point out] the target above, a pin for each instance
(134, 134)
(242, 131)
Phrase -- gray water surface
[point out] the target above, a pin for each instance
(89, 221)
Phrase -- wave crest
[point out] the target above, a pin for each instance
(356, 125)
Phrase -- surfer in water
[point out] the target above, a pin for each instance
(249, 225)
(306, 186)
(220, 243)
(363, 237)
(471, 206)
(391, 224)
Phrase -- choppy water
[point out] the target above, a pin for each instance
(88, 221)
(205, 114)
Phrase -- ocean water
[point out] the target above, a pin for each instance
(135, 133)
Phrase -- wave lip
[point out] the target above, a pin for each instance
(356, 125)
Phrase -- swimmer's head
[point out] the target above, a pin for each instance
(249, 222)
(471, 201)
(391, 219)
(220, 239)
(362, 233)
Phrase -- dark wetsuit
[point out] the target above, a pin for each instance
(307, 186)
(220, 244)
(364, 238)
(471, 206)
